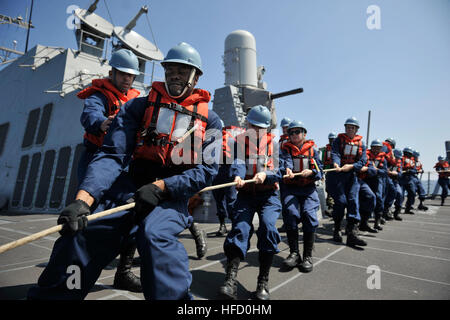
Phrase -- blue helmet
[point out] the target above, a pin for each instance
(259, 116)
(296, 124)
(352, 121)
(184, 53)
(408, 150)
(332, 135)
(416, 153)
(376, 143)
(440, 158)
(391, 141)
(125, 60)
(285, 122)
(398, 153)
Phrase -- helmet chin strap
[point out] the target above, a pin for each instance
(189, 84)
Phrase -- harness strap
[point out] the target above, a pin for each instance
(178, 108)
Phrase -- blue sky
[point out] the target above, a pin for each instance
(400, 72)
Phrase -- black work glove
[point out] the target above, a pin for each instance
(74, 217)
(146, 199)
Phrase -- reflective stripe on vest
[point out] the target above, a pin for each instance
(164, 123)
(302, 159)
(351, 149)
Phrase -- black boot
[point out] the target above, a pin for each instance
(397, 214)
(308, 245)
(421, 206)
(124, 279)
(364, 225)
(377, 222)
(408, 210)
(352, 234)
(442, 201)
(200, 239)
(294, 257)
(228, 290)
(222, 228)
(265, 263)
(337, 235)
(387, 215)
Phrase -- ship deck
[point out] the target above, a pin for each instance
(413, 257)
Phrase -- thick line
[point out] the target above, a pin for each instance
(27, 233)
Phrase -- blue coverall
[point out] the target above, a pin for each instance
(164, 262)
(375, 182)
(224, 197)
(408, 184)
(268, 206)
(345, 191)
(91, 118)
(300, 203)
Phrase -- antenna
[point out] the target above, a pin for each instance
(135, 42)
(368, 130)
(92, 31)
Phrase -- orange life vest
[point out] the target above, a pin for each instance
(376, 160)
(397, 167)
(390, 154)
(257, 158)
(115, 100)
(408, 163)
(165, 122)
(443, 167)
(327, 161)
(229, 132)
(302, 158)
(418, 166)
(351, 149)
(283, 139)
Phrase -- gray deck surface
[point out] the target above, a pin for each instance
(413, 256)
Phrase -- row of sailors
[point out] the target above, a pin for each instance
(134, 160)
(360, 183)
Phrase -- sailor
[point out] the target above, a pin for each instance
(349, 156)
(284, 124)
(388, 185)
(328, 164)
(254, 158)
(407, 179)
(443, 169)
(146, 134)
(372, 175)
(394, 173)
(420, 189)
(102, 101)
(225, 197)
(299, 194)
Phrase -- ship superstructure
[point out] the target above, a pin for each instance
(40, 133)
